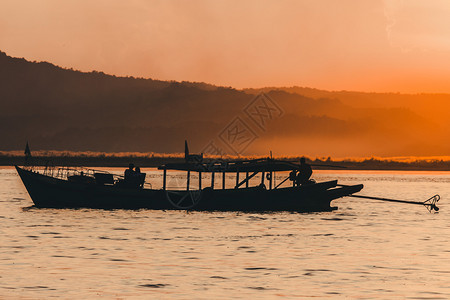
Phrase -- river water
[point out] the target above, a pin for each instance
(366, 249)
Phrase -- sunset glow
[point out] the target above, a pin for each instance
(318, 78)
(374, 46)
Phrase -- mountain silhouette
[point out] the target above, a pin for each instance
(64, 109)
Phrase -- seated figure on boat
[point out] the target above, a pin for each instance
(139, 177)
(133, 178)
(304, 173)
(129, 173)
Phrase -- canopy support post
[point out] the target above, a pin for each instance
(188, 180)
(270, 180)
(212, 180)
(223, 180)
(246, 179)
(237, 179)
(262, 177)
(164, 178)
(200, 181)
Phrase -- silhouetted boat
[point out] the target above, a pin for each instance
(71, 188)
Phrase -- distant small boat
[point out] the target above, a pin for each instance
(75, 188)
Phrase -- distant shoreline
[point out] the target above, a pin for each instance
(147, 161)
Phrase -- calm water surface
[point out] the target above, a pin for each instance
(364, 250)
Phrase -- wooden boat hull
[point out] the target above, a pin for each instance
(314, 197)
(50, 192)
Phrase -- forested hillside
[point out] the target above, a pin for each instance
(61, 109)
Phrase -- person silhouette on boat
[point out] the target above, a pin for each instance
(305, 172)
(129, 173)
(139, 177)
(134, 178)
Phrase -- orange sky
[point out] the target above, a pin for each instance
(374, 45)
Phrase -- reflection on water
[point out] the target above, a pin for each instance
(366, 249)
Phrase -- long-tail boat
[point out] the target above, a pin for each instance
(86, 188)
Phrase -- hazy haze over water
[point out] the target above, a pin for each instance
(365, 249)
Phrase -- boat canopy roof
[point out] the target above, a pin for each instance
(255, 165)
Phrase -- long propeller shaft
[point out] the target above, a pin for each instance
(430, 204)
